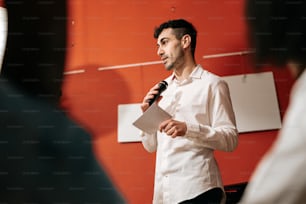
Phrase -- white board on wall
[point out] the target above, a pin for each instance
(254, 101)
(127, 114)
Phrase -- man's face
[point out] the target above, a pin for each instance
(170, 49)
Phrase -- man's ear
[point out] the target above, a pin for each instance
(186, 41)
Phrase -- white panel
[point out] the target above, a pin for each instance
(127, 114)
(254, 101)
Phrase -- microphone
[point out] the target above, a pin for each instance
(162, 87)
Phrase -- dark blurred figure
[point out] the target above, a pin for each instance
(45, 156)
(277, 30)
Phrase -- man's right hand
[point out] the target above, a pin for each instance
(153, 91)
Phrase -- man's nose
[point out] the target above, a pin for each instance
(160, 51)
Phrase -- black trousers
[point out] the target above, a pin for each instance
(213, 196)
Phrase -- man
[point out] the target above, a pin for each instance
(277, 30)
(45, 157)
(202, 121)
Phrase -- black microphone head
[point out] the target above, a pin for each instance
(162, 87)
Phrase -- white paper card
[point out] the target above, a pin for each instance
(150, 120)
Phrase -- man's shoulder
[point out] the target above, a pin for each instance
(210, 76)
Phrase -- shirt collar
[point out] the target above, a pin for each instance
(196, 74)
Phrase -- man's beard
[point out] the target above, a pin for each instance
(169, 67)
(176, 63)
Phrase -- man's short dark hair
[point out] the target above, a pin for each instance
(181, 27)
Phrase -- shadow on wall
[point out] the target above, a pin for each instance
(92, 98)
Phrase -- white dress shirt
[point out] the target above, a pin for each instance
(281, 176)
(185, 166)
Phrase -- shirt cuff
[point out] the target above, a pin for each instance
(192, 130)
